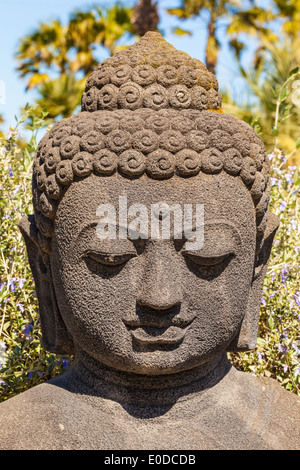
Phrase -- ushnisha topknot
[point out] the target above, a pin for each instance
(151, 74)
(148, 112)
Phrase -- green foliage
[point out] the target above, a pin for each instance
(290, 12)
(274, 94)
(278, 348)
(68, 49)
(232, 15)
(24, 362)
(56, 58)
(61, 96)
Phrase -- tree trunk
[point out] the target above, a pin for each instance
(212, 45)
(145, 17)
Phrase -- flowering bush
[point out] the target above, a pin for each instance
(278, 346)
(23, 361)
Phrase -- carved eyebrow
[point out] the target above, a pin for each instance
(92, 224)
(129, 232)
(83, 227)
(218, 227)
(223, 243)
(88, 225)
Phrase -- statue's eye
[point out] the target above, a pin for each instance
(206, 261)
(109, 259)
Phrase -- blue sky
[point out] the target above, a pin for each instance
(21, 17)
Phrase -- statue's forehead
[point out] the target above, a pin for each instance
(223, 197)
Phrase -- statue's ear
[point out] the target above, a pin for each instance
(55, 337)
(247, 337)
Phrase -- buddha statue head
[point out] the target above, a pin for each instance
(151, 131)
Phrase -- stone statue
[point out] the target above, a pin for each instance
(150, 320)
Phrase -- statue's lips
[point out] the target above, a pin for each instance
(152, 335)
(159, 333)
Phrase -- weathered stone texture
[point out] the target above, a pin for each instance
(149, 320)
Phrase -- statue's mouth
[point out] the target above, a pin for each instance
(153, 335)
(158, 330)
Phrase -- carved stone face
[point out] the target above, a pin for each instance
(151, 306)
(151, 130)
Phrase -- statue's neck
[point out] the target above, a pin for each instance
(147, 390)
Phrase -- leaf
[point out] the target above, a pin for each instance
(298, 143)
(181, 32)
(294, 71)
(24, 117)
(283, 94)
(18, 373)
(274, 131)
(260, 341)
(180, 12)
(37, 79)
(50, 368)
(33, 141)
(271, 322)
(296, 178)
(4, 295)
(6, 325)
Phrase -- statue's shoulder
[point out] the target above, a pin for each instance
(240, 412)
(32, 419)
(61, 414)
(268, 389)
(277, 410)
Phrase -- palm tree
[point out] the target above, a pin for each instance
(290, 12)
(238, 20)
(60, 97)
(251, 22)
(56, 59)
(275, 86)
(44, 50)
(145, 17)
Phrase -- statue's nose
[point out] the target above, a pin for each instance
(161, 286)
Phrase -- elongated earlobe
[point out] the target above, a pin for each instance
(55, 337)
(247, 337)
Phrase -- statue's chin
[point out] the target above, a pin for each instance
(160, 361)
